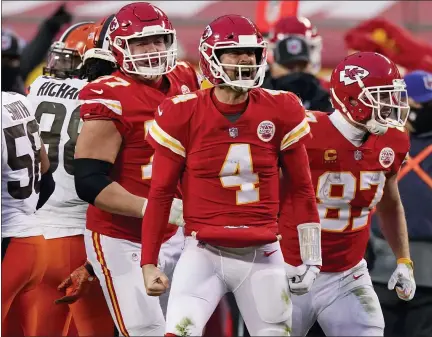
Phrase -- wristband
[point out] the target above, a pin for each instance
(405, 260)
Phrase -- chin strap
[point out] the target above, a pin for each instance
(310, 243)
(376, 128)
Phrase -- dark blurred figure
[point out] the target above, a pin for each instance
(36, 50)
(288, 72)
(17, 64)
(11, 79)
(412, 318)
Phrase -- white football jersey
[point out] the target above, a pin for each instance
(57, 111)
(21, 167)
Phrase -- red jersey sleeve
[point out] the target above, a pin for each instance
(169, 137)
(100, 101)
(294, 123)
(167, 170)
(170, 129)
(401, 150)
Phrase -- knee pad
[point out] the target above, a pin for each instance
(271, 295)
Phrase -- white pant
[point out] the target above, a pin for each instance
(205, 273)
(116, 263)
(344, 303)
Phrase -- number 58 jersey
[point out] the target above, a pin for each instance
(349, 182)
(58, 113)
(20, 167)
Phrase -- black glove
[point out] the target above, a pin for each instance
(59, 18)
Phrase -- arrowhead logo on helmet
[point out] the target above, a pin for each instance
(207, 33)
(350, 74)
(113, 25)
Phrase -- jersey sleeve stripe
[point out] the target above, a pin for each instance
(295, 134)
(113, 105)
(166, 140)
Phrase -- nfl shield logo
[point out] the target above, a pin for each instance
(233, 132)
(358, 155)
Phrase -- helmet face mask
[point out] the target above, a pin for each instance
(233, 53)
(143, 41)
(368, 89)
(63, 62)
(65, 56)
(226, 63)
(148, 64)
(389, 103)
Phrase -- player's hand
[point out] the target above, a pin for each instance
(301, 278)
(403, 280)
(75, 285)
(155, 281)
(176, 213)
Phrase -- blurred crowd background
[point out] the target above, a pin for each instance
(333, 19)
(401, 30)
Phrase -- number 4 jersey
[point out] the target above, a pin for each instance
(58, 113)
(349, 182)
(230, 183)
(20, 167)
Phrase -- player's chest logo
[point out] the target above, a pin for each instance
(386, 157)
(233, 132)
(358, 155)
(185, 89)
(266, 131)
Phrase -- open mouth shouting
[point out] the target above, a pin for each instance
(245, 73)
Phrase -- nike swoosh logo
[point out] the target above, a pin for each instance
(356, 277)
(160, 112)
(100, 92)
(267, 254)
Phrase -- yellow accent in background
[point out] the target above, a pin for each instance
(36, 72)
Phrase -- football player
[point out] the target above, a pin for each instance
(225, 144)
(300, 26)
(55, 94)
(354, 156)
(26, 185)
(113, 165)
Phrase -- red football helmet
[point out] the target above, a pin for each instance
(369, 89)
(293, 25)
(139, 20)
(227, 32)
(65, 55)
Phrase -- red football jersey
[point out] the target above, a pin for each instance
(131, 105)
(230, 182)
(349, 182)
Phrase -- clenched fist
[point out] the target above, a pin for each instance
(155, 281)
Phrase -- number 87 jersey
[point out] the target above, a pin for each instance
(349, 182)
(230, 182)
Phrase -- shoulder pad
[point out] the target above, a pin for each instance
(315, 116)
(184, 98)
